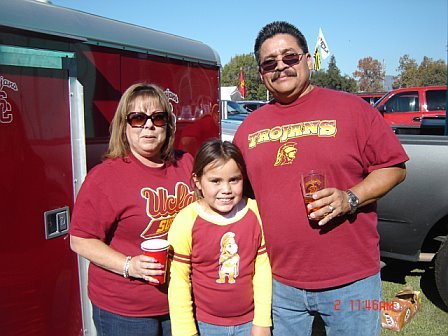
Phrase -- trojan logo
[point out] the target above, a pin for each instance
(286, 154)
(161, 208)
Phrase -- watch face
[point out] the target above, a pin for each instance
(353, 201)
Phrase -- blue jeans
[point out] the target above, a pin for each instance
(110, 324)
(350, 310)
(207, 329)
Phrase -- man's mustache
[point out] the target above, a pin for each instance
(288, 72)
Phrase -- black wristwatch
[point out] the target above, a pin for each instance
(353, 201)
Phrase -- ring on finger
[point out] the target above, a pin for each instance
(331, 207)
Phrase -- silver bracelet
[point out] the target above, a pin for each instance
(126, 266)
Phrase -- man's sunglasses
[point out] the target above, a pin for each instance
(289, 60)
(139, 119)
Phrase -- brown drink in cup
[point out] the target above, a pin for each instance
(158, 249)
(312, 181)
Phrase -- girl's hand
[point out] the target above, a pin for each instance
(260, 331)
(143, 267)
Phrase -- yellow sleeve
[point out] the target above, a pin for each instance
(262, 282)
(179, 291)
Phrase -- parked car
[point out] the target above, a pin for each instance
(252, 105)
(232, 110)
(413, 217)
(232, 115)
(404, 108)
(370, 97)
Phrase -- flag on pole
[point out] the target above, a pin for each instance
(242, 84)
(323, 45)
(317, 61)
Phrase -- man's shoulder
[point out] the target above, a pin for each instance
(333, 92)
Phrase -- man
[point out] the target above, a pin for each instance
(328, 263)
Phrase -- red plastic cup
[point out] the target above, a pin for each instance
(158, 249)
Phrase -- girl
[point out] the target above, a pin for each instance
(220, 274)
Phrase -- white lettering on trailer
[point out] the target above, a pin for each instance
(5, 107)
(172, 97)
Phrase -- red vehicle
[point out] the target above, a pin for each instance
(406, 107)
(370, 97)
(62, 73)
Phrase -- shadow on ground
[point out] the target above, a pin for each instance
(397, 270)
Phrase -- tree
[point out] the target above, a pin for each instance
(428, 73)
(230, 75)
(371, 75)
(333, 79)
(408, 73)
(432, 72)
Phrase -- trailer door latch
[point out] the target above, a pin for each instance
(56, 222)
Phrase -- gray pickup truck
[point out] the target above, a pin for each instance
(413, 217)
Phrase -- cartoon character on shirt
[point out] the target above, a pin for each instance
(229, 260)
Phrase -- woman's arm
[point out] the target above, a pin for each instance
(104, 256)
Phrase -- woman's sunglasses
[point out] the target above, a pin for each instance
(289, 60)
(139, 119)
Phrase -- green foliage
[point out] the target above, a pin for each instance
(333, 79)
(230, 75)
(428, 73)
(371, 75)
(408, 72)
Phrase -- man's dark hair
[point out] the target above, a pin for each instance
(279, 27)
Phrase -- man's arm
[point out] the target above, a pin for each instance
(377, 184)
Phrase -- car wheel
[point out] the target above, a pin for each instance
(441, 271)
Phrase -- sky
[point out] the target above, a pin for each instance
(353, 29)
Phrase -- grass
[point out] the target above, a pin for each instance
(431, 320)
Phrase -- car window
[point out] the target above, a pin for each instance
(235, 108)
(236, 111)
(436, 100)
(403, 102)
(252, 106)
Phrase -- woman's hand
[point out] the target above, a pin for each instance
(144, 267)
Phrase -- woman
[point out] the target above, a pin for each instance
(133, 195)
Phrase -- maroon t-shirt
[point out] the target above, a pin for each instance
(122, 202)
(327, 130)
